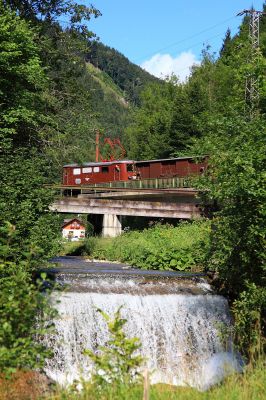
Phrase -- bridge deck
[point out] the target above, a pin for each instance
(161, 197)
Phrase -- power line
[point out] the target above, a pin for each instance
(188, 38)
(191, 47)
(175, 43)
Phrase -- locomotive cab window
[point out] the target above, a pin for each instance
(105, 170)
(130, 168)
(87, 170)
(96, 169)
(76, 171)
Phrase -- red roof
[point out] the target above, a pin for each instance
(71, 220)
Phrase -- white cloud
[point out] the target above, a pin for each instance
(162, 65)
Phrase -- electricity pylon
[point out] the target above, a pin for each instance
(252, 81)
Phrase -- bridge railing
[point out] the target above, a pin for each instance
(157, 183)
(144, 184)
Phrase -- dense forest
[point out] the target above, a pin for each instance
(58, 86)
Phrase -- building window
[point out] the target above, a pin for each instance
(96, 169)
(76, 171)
(105, 170)
(87, 170)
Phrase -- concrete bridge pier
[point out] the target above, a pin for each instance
(112, 225)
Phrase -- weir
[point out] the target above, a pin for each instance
(179, 320)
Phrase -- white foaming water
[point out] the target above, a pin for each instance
(179, 334)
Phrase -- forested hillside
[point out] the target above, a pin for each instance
(84, 85)
(130, 78)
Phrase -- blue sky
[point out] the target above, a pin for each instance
(166, 36)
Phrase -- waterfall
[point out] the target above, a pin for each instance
(179, 323)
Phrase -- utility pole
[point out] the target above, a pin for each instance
(252, 82)
(97, 143)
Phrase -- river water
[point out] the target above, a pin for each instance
(179, 320)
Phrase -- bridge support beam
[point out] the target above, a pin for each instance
(112, 225)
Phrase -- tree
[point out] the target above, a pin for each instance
(149, 135)
(236, 183)
(50, 10)
(28, 237)
(226, 49)
(22, 80)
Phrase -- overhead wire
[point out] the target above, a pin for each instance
(178, 42)
(189, 37)
(194, 45)
(182, 40)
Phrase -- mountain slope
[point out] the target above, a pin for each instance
(129, 77)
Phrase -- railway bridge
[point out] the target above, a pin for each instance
(164, 198)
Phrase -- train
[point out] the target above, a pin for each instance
(92, 173)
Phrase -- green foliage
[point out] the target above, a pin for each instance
(28, 229)
(22, 80)
(20, 302)
(108, 103)
(248, 310)
(25, 204)
(162, 247)
(49, 10)
(115, 363)
(235, 183)
(149, 134)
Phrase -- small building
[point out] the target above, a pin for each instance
(73, 229)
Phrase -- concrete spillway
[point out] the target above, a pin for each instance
(178, 320)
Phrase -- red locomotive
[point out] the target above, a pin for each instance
(98, 172)
(113, 169)
(125, 170)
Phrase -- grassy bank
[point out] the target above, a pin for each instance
(251, 385)
(162, 247)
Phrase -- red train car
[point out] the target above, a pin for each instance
(98, 172)
(171, 167)
(110, 171)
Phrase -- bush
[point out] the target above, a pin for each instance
(115, 363)
(21, 304)
(162, 247)
(248, 311)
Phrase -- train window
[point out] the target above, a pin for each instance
(76, 171)
(130, 168)
(87, 170)
(78, 181)
(96, 169)
(105, 170)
